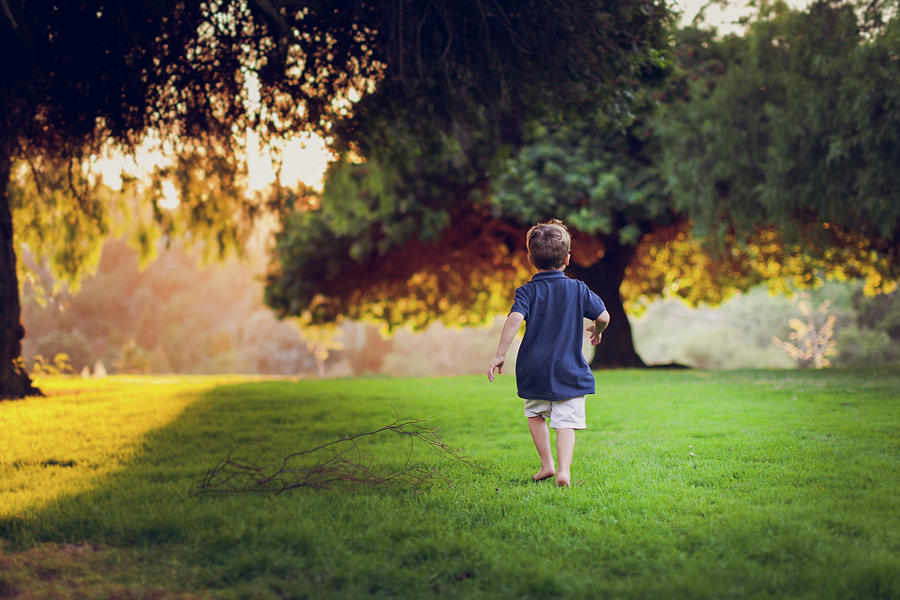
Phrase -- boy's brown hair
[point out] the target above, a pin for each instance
(548, 244)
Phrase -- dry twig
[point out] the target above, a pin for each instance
(336, 462)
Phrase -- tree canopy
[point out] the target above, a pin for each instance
(407, 236)
(797, 142)
(198, 76)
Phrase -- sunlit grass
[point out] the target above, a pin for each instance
(81, 430)
(746, 484)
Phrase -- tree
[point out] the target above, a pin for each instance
(89, 75)
(370, 248)
(406, 236)
(799, 142)
(404, 231)
(601, 178)
(198, 76)
(405, 242)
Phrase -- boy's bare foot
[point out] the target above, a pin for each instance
(543, 474)
(563, 479)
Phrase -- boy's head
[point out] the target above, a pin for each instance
(548, 245)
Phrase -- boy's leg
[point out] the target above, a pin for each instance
(565, 449)
(540, 433)
(567, 416)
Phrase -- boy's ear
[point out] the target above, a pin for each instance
(568, 258)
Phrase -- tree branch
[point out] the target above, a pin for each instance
(273, 14)
(9, 14)
(341, 462)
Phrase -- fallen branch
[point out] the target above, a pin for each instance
(339, 461)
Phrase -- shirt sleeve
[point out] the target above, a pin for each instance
(591, 304)
(521, 304)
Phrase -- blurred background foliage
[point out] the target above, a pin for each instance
(739, 333)
(767, 157)
(172, 317)
(176, 316)
(712, 165)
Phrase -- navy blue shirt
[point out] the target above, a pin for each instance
(550, 365)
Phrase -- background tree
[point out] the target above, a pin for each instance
(198, 76)
(404, 231)
(171, 317)
(405, 242)
(796, 147)
(368, 248)
(89, 74)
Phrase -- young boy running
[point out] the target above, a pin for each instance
(551, 373)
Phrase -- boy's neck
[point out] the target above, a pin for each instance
(561, 269)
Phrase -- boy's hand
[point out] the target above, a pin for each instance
(513, 322)
(597, 327)
(497, 363)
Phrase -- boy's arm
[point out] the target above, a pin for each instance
(598, 326)
(510, 328)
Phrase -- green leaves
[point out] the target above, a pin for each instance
(595, 175)
(63, 213)
(61, 216)
(801, 133)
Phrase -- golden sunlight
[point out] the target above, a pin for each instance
(66, 442)
(303, 158)
(170, 196)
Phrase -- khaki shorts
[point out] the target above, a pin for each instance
(563, 414)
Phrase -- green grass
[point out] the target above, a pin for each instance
(745, 484)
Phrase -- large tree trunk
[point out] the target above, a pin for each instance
(604, 278)
(14, 381)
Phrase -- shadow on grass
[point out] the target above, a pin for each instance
(261, 544)
(147, 501)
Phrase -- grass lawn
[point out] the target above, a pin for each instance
(689, 484)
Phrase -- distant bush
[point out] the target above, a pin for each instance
(872, 337)
(738, 334)
(811, 342)
(859, 347)
(172, 317)
(71, 343)
(60, 365)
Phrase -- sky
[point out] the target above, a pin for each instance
(723, 18)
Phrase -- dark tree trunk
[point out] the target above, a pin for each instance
(604, 278)
(14, 381)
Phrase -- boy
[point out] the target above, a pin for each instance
(551, 373)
